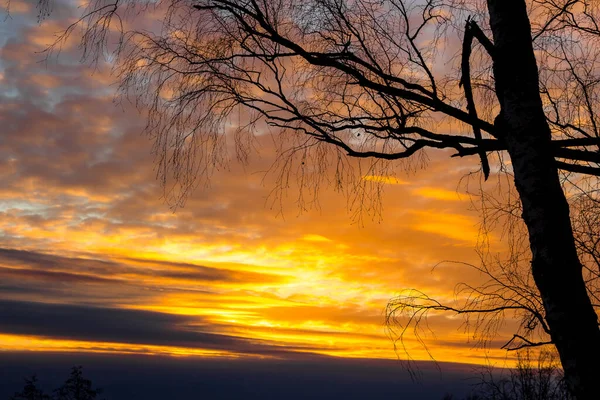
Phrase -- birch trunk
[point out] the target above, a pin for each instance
(555, 265)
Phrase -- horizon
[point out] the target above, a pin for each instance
(155, 377)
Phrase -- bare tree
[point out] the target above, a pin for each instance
(528, 381)
(373, 79)
(531, 379)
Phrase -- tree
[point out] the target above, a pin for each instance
(369, 79)
(527, 381)
(30, 391)
(76, 387)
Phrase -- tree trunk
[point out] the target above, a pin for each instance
(555, 265)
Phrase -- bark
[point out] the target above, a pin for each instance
(555, 265)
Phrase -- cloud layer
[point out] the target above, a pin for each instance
(90, 252)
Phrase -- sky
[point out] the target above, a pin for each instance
(94, 263)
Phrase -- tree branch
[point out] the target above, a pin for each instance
(465, 81)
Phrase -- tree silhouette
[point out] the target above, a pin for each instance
(31, 391)
(76, 387)
(528, 381)
(371, 79)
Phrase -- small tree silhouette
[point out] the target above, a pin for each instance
(30, 391)
(76, 387)
(528, 381)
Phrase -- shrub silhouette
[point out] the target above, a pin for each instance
(75, 388)
(543, 380)
(30, 391)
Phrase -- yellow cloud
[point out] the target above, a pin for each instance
(43, 344)
(453, 226)
(438, 194)
(316, 238)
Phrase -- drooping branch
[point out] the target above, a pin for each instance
(465, 81)
(507, 292)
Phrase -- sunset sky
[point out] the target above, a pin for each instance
(93, 260)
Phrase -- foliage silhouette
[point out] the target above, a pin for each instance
(76, 387)
(542, 380)
(31, 391)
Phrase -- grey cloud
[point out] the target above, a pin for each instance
(199, 272)
(44, 266)
(65, 277)
(45, 261)
(76, 322)
(29, 275)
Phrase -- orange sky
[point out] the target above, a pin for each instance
(85, 231)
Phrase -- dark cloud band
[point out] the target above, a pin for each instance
(77, 322)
